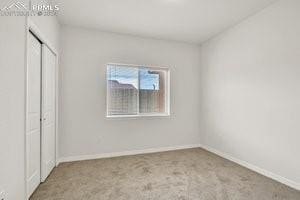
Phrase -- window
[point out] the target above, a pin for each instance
(137, 91)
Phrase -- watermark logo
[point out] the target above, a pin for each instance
(18, 5)
(21, 9)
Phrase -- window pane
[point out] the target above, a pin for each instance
(152, 92)
(135, 90)
(122, 90)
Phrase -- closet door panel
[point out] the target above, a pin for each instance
(48, 112)
(33, 112)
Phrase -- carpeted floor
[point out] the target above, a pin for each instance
(193, 174)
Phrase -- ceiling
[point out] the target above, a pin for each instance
(192, 21)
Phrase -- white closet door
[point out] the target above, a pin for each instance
(48, 112)
(33, 115)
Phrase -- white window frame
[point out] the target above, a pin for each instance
(167, 93)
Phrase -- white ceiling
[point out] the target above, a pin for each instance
(182, 20)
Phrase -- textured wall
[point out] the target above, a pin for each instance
(250, 83)
(84, 128)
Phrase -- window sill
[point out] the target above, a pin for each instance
(136, 116)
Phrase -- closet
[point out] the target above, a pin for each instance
(40, 112)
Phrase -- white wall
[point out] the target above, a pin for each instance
(84, 128)
(12, 106)
(251, 90)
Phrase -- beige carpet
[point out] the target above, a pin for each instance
(193, 174)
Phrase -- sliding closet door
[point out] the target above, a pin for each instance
(33, 113)
(48, 112)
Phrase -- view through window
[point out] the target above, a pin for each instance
(137, 90)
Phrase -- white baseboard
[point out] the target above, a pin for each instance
(252, 167)
(124, 153)
(259, 170)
